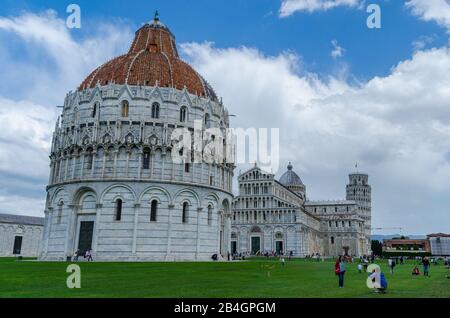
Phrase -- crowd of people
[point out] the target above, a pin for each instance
(377, 276)
(87, 256)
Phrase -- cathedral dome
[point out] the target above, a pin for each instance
(152, 60)
(290, 178)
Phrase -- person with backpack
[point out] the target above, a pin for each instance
(380, 281)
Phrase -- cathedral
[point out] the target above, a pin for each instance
(114, 188)
(275, 216)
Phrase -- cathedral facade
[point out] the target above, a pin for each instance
(114, 187)
(275, 216)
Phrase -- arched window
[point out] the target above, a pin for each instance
(207, 120)
(185, 215)
(332, 240)
(94, 110)
(209, 215)
(60, 211)
(153, 210)
(146, 159)
(125, 108)
(56, 171)
(183, 113)
(155, 110)
(89, 157)
(118, 209)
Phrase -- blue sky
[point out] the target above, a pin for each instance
(232, 23)
(381, 101)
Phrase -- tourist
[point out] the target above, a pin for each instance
(89, 258)
(380, 281)
(391, 265)
(290, 255)
(282, 260)
(366, 264)
(415, 271)
(339, 269)
(426, 266)
(401, 260)
(75, 255)
(360, 268)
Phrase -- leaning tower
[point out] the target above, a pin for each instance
(359, 190)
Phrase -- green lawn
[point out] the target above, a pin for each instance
(299, 278)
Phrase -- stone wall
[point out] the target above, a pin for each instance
(31, 238)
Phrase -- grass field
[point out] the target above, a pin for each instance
(254, 278)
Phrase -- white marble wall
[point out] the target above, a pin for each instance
(31, 238)
(79, 191)
(135, 237)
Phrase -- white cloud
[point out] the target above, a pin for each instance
(422, 42)
(52, 61)
(431, 10)
(396, 127)
(289, 7)
(35, 78)
(337, 51)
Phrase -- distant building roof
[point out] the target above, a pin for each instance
(290, 178)
(438, 235)
(21, 219)
(333, 202)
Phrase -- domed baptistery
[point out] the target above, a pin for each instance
(114, 188)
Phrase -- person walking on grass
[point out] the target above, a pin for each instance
(391, 265)
(426, 266)
(339, 269)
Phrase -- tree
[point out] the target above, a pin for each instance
(377, 247)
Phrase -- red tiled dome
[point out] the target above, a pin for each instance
(152, 59)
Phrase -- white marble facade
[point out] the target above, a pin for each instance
(275, 216)
(114, 186)
(20, 235)
(99, 160)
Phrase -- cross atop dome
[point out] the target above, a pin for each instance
(156, 18)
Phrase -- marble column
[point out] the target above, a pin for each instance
(199, 211)
(169, 231)
(135, 227)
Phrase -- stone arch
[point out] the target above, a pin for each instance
(211, 198)
(88, 202)
(60, 190)
(148, 191)
(118, 185)
(226, 206)
(186, 190)
(80, 192)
